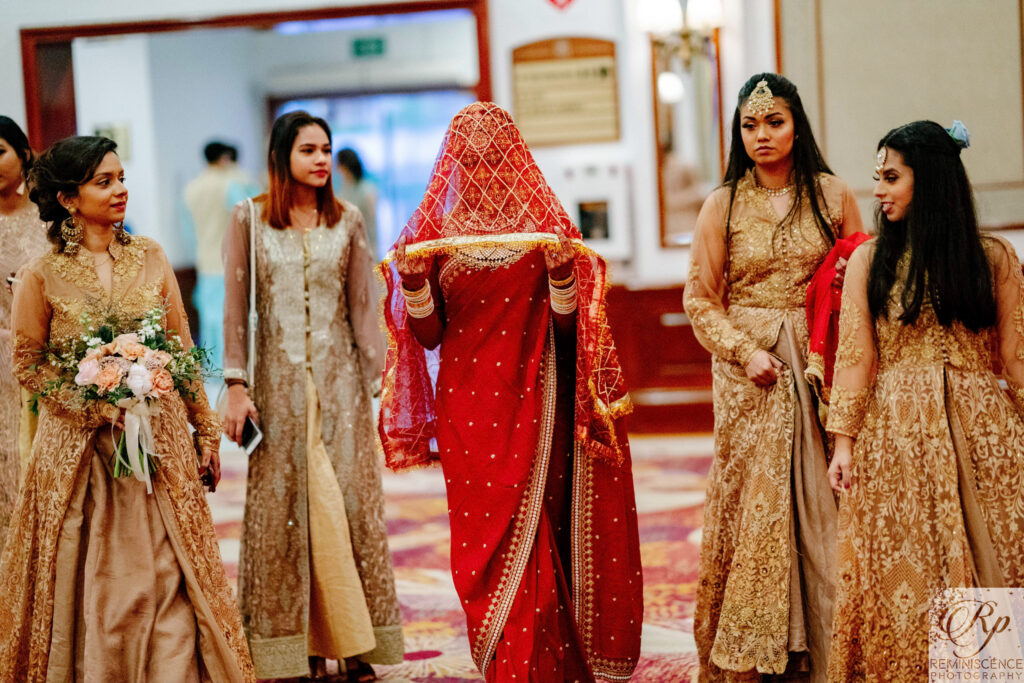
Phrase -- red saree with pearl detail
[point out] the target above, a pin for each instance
(522, 409)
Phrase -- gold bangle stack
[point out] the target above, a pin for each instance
(419, 304)
(563, 295)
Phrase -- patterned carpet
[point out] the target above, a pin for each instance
(669, 474)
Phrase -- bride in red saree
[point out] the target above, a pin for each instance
(501, 367)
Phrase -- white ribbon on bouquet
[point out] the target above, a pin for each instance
(139, 442)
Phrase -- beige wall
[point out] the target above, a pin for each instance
(865, 67)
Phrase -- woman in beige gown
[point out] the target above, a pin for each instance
(315, 575)
(101, 581)
(22, 238)
(929, 448)
(765, 595)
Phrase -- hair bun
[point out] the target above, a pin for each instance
(958, 131)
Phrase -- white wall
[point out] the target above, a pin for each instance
(929, 59)
(432, 51)
(112, 86)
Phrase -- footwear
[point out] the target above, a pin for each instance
(360, 672)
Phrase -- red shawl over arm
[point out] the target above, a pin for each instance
(824, 298)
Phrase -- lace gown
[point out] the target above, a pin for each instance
(315, 572)
(99, 580)
(764, 600)
(22, 238)
(938, 468)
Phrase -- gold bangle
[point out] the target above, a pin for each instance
(418, 295)
(423, 310)
(562, 283)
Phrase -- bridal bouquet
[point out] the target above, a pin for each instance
(129, 364)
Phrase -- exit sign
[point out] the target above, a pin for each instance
(368, 47)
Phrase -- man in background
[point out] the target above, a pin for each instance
(210, 197)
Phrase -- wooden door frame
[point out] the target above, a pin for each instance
(33, 38)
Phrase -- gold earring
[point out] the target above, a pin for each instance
(71, 231)
(121, 235)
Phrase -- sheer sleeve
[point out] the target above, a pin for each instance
(363, 299)
(30, 323)
(202, 417)
(235, 254)
(857, 353)
(852, 221)
(704, 298)
(1010, 306)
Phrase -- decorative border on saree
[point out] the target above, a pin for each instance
(582, 545)
(526, 522)
(511, 239)
(613, 669)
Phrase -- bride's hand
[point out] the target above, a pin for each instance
(412, 269)
(559, 260)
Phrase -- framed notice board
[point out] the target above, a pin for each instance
(565, 91)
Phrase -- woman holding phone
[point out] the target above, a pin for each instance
(315, 575)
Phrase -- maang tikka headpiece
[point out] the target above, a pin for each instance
(761, 100)
(880, 159)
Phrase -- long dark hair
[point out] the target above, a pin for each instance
(278, 198)
(940, 230)
(63, 167)
(12, 133)
(807, 159)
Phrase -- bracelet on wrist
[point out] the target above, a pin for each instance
(562, 283)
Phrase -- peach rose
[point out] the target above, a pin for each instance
(163, 383)
(110, 375)
(128, 345)
(157, 359)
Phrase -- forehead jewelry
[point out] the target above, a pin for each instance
(761, 100)
(880, 159)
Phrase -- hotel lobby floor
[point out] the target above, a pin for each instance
(669, 472)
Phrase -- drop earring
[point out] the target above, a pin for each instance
(71, 232)
(121, 235)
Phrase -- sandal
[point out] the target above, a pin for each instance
(361, 672)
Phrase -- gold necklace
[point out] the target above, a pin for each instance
(773, 191)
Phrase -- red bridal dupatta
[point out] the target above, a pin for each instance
(824, 299)
(545, 555)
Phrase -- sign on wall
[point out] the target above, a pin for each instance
(565, 91)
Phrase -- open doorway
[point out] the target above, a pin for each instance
(384, 75)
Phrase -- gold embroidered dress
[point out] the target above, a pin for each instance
(101, 581)
(937, 499)
(765, 571)
(22, 238)
(315, 573)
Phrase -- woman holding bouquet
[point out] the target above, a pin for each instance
(101, 581)
(22, 238)
(315, 576)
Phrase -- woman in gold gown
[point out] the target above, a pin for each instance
(22, 238)
(99, 580)
(764, 600)
(315, 575)
(929, 448)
